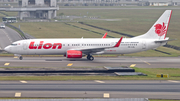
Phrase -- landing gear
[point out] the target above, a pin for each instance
(90, 57)
(20, 58)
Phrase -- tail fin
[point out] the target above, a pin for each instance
(160, 28)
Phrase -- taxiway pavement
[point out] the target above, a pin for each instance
(7, 36)
(141, 62)
(92, 89)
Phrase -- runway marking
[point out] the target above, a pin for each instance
(6, 64)
(174, 81)
(23, 81)
(7, 36)
(147, 63)
(17, 94)
(70, 64)
(106, 95)
(99, 81)
(15, 57)
(133, 65)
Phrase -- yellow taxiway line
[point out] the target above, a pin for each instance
(106, 95)
(17, 94)
(99, 81)
(133, 65)
(6, 64)
(70, 64)
(23, 81)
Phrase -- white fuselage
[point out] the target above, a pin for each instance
(60, 46)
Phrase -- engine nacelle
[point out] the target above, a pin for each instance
(74, 54)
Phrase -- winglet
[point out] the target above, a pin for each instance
(118, 43)
(104, 35)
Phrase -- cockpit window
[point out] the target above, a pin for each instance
(14, 44)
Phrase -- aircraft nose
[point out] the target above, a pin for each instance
(7, 49)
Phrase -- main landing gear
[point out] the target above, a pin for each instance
(90, 57)
(19, 56)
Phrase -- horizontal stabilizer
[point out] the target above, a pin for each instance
(161, 41)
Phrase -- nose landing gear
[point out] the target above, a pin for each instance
(90, 57)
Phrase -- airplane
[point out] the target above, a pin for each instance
(79, 47)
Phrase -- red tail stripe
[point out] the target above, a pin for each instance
(168, 25)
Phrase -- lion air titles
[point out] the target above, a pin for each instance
(41, 45)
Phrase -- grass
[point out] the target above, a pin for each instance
(165, 7)
(54, 30)
(1, 16)
(10, 13)
(173, 72)
(95, 29)
(151, 72)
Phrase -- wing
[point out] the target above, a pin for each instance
(97, 50)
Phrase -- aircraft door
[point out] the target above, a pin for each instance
(143, 44)
(25, 45)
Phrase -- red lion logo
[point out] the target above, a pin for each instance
(160, 29)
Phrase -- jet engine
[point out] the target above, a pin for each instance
(74, 54)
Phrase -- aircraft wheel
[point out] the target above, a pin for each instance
(20, 58)
(88, 57)
(91, 58)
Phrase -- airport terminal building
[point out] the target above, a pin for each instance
(39, 9)
(44, 9)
